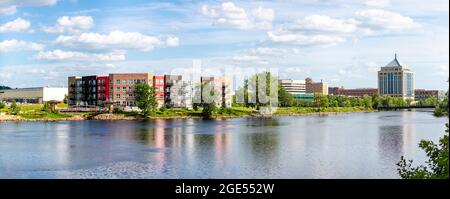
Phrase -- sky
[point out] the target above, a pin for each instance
(342, 42)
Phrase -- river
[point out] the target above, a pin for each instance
(354, 145)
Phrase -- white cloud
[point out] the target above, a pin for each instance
(17, 45)
(443, 70)
(17, 25)
(115, 40)
(74, 24)
(9, 10)
(275, 52)
(249, 59)
(376, 20)
(8, 7)
(377, 3)
(230, 14)
(304, 39)
(172, 41)
(321, 23)
(59, 55)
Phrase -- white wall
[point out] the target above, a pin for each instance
(55, 94)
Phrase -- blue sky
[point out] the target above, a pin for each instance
(342, 42)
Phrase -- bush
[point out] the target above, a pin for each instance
(15, 109)
(2, 105)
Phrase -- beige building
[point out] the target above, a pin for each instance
(396, 80)
(293, 86)
(316, 87)
(34, 95)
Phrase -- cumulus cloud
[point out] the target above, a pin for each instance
(115, 40)
(17, 25)
(18, 45)
(377, 3)
(321, 23)
(275, 52)
(230, 14)
(74, 24)
(9, 7)
(59, 55)
(377, 20)
(304, 39)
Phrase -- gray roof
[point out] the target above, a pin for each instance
(394, 62)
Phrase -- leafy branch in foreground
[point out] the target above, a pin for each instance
(437, 164)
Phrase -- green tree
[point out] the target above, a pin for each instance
(145, 98)
(15, 109)
(2, 105)
(320, 101)
(208, 109)
(367, 101)
(285, 99)
(66, 99)
(437, 164)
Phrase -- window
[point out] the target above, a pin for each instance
(118, 88)
(124, 81)
(124, 88)
(118, 96)
(130, 81)
(118, 81)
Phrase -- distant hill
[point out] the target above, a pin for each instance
(4, 87)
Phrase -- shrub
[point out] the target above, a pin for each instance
(2, 105)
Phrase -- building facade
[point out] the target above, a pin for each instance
(222, 91)
(89, 90)
(74, 91)
(102, 90)
(396, 80)
(122, 85)
(354, 92)
(422, 94)
(159, 86)
(293, 86)
(34, 95)
(316, 87)
(178, 92)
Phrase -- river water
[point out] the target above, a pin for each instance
(354, 145)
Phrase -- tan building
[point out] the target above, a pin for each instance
(122, 87)
(316, 87)
(396, 80)
(222, 90)
(293, 86)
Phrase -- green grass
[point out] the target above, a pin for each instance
(44, 115)
(308, 110)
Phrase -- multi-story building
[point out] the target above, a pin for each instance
(102, 90)
(316, 87)
(355, 92)
(75, 96)
(122, 85)
(293, 86)
(89, 90)
(158, 85)
(396, 80)
(421, 94)
(221, 87)
(178, 92)
(34, 95)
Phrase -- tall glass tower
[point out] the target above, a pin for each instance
(395, 80)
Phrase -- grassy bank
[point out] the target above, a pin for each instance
(312, 110)
(34, 113)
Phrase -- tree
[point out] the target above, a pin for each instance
(437, 164)
(285, 99)
(15, 109)
(4, 87)
(320, 100)
(2, 105)
(145, 98)
(66, 98)
(208, 109)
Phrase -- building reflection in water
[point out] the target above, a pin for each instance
(395, 141)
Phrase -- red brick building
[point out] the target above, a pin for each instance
(355, 92)
(159, 85)
(102, 89)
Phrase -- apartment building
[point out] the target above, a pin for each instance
(89, 90)
(221, 87)
(102, 90)
(122, 85)
(178, 92)
(75, 96)
(293, 86)
(158, 85)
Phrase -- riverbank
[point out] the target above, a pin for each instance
(234, 112)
